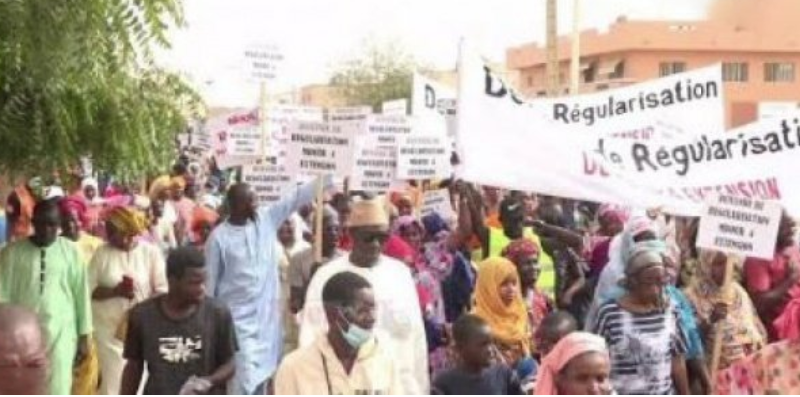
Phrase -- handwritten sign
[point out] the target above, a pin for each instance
(358, 113)
(374, 167)
(236, 138)
(395, 108)
(280, 117)
(741, 226)
(423, 157)
(437, 201)
(320, 148)
(387, 129)
(269, 182)
(263, 62)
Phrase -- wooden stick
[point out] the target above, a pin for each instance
(727, 291)
(320, 202)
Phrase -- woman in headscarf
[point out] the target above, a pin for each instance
(94, 203)
(525, 256)
(498, 301)
(203, 221)
(184, 207)
(73, 210)
(643, 332)
(123, 273)
(742, 333)
(430, 263)
(578, 365)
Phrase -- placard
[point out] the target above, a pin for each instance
(320, 148)
(280, 117)
(437, 201)
(357, 113)
(395, 108)
(374, 167)
(387, 129)
(423, 157)
(269, 182)
(236, 138)
(740, 226)
(262, 62)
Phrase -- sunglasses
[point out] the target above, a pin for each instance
(373, 237)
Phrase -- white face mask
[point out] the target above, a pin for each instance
(355, 335)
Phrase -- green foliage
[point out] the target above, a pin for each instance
(382, 72)
(77, 78)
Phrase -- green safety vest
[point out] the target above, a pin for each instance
(498, 241)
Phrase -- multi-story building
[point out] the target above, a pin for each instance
(757, 42)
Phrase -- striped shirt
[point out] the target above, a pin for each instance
(642, 347)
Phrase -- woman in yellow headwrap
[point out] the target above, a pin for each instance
(498, 301)
(123, 273)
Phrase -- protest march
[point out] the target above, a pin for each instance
(458, 236)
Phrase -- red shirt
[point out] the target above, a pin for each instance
(763, 275)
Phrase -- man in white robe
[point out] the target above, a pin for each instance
(399, 314)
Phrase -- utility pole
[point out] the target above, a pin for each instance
(552, 68)
(575, 72)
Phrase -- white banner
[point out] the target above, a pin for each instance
(270, 182)
(690, 102)
(509, 145)
(397, 107)
(740, 226)
(433, 105)
(321, 148)
(374, 167)
(423, 157)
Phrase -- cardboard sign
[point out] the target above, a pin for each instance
(269, 182)
(320, 148)
(423, 157)
(280, 117)
(388, 129)
(374, 167)
(395, 108)
(740, 226)
(236, 138)
(437, 201)
(358, 113)
(263, 62)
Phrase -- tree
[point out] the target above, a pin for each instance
(78, 78)
(382, 72)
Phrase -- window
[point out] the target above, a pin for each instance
(735, 72)
(777, 72)
(619, 71)
(530, 81)
(589, 71)
(670, 68)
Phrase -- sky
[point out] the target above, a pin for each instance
(315, 35)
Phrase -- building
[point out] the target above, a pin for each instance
(757, 41)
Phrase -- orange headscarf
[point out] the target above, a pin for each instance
(509, 324)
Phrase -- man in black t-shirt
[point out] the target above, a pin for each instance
(475, 373)
(186, 339)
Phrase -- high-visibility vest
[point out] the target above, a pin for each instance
(498, 241)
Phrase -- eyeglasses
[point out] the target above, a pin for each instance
(42, 269)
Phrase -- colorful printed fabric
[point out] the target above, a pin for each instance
(773, 370)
